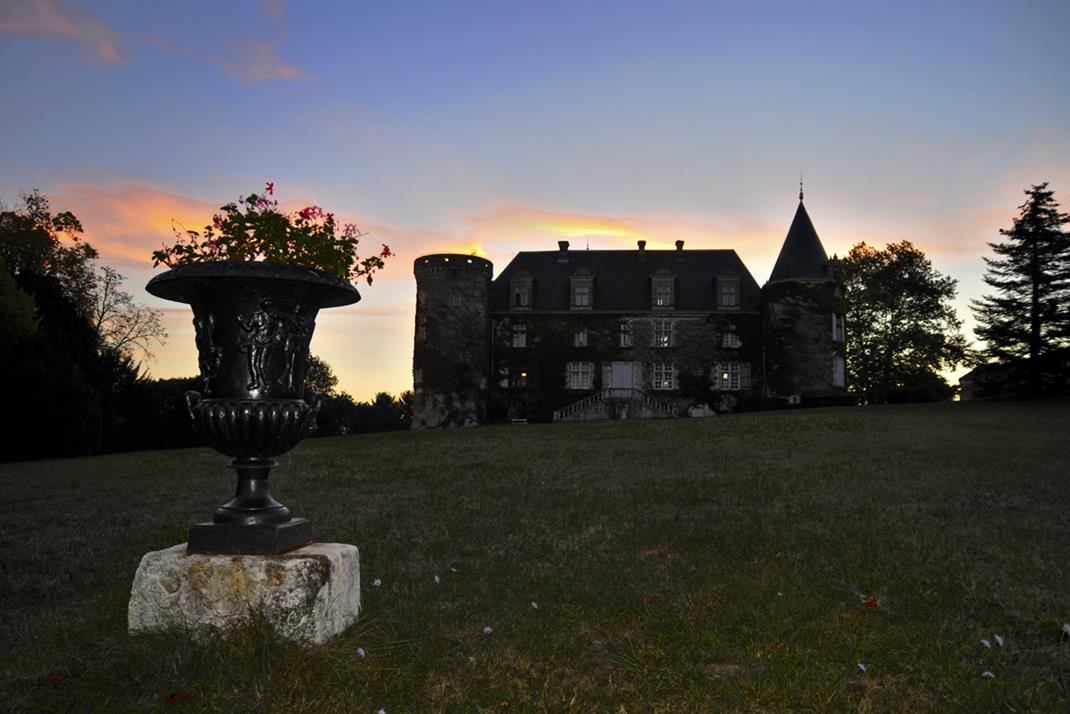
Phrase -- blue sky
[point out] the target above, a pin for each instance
(506, 126)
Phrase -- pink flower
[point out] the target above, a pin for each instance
(350, 230)
(269, 189)
(217, 221)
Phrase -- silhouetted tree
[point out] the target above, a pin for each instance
(901, 327)
(1029, 314)
(320, 377)
(123, 326)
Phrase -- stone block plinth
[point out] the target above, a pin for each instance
(308, 595)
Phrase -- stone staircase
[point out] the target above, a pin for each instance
(615, 403)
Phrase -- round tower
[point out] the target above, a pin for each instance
(804, 306)
(451, 352)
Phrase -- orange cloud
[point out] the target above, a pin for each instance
(50, 17)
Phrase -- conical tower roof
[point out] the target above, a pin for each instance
(802, 257)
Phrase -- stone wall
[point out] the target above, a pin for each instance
(800, 350)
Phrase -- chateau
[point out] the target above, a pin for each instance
(595, 334)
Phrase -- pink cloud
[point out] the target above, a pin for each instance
(51, 17)
(246, 62)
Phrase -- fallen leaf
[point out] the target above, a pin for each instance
(871, 601)
(57, 675)
(176, 697)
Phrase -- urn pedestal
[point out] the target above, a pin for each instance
(253, 324)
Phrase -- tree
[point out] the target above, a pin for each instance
(123, 326)
(320, 377)
(1029, 314)
(901, 327)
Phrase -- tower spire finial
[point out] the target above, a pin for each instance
(800, 186)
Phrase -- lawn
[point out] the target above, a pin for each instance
(745, 563)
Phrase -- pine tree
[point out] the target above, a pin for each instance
(1029, 314)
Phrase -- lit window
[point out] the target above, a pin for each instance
(731, 376)
(663, 333)
(520, 334)
(729, 292)
(579, 338)
(730, 340)
(518, 378)
(664, 376)
(625, 333)
(579, 375)
(837, 328)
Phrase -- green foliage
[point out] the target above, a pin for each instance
(1029, 313)
(255, 229)
(901, 326)
(685, 565)
(17, 319)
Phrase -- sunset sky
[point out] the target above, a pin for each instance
(500, 127)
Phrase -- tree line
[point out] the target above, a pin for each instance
(73, 346)
(903, 331)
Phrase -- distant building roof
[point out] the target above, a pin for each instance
(802, 257)
(622, 278)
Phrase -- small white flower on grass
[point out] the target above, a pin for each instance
(780, 594)
(471, 660)
(861, 667)
(488, 630)
(987, 675)
(1066, 629)
(534, 605)
(987, 644)
(360, 652)
(453, 569)
(381, 711)
(437, 580)
(376, 583)
(999, 640)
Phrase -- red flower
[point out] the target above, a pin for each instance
(386, 251)
(270, 188)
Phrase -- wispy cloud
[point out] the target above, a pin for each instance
(246, 62)
(51, 17)
(271, 9)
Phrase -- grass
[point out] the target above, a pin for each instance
(691, 565)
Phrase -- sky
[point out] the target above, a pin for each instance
(503, 126)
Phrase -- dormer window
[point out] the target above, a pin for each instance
(521, 290)
(581, 290)
(662, 290)
(728, 292)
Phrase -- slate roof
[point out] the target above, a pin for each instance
(622, 279)
(802, 257)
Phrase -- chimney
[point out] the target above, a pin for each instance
(642, 245)
(562, 255)
(679, 245)
(563, 245)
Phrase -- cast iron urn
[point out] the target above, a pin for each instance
(253, 323)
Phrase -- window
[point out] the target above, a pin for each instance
(581, 289)
(731, 376)
(837, 328)
(730, 340)
(518, 378)
(455, 299)
(729, 293)
(664, 376)
(839, 372)
(625, 333)
(579, 338)
(521, 289)
(520, 334)
(421, 327)
(417, 378)
(663, 333)
(661, 290)
(579, 375)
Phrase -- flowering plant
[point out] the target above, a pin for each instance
(255, 229)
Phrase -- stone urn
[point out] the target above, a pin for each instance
(253, 324)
